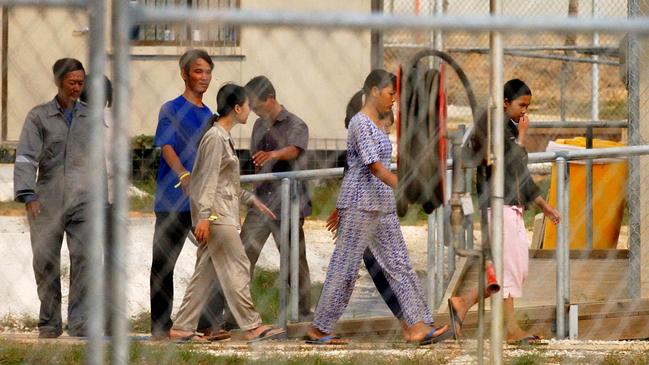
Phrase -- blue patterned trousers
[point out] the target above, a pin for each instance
(382, 232)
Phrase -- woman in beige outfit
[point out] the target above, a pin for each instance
(215, 193)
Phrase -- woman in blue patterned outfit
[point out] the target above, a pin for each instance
(367, 212)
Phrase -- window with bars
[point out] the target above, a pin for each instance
(210, 35)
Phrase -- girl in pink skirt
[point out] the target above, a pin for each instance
(520, 190)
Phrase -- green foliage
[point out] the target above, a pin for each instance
(265, 294)
(141, 322)
(142, 142)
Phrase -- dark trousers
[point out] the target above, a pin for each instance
(46, 233)
(381, 283)
(171, 230)
(255, 231)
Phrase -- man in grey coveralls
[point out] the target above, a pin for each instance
(51, 177)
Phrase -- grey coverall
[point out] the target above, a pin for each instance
(51, 166)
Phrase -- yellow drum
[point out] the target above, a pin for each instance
(609, 197)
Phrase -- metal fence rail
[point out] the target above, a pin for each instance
(126, 14)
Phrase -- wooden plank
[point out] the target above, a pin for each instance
(461, 269)
(614, 320)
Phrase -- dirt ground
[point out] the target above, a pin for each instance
(363, 350)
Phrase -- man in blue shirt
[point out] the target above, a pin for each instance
(181, 123)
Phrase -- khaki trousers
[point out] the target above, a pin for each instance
(223, 258)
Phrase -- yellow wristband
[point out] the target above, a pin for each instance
(180, 178)
(213, 218)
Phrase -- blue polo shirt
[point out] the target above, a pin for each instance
(180, 125)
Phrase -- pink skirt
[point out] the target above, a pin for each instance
(515, 251)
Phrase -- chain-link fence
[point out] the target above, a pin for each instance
(558, 67)
(315, 69)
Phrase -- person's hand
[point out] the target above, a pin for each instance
(202, 231)
(333, 222)
(552, 214)
(263, 208)
(184, 184)
(261, 157)
(523, 126)
(33, 209)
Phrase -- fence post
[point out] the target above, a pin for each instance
(284, 252)
(561, 248)
(295, 250)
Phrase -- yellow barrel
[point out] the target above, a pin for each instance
(609, 198)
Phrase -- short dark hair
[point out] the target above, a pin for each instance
(64, 65)
(109, 92)
(260, 87)
(515, 88)
(189, 57)
(379, 78)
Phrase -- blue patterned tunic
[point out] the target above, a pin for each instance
(368, 218)
(366, 144)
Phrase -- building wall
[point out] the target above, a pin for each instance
(314, 72)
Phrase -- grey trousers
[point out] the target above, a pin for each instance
(46, 233)
(224, 259)
(255, 231)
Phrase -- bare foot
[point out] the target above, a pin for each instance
(419, 332)
(314, 334)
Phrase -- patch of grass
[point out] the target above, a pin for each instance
(163, 354)
(21, 322)
(141, 204)
(141, 322)
(323, 197)
(20, 353)
(527, 359)
(265, 294)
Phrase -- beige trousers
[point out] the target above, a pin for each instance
(223, 258)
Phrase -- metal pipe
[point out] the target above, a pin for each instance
(481, 309)
(561, 247)
(284, 252)
(635, 138)
(468, 219)
(431, 262)
(497, 188)
(121, 171)
(580, 49)
(594, 105)
(579, 124)
(97, 206)
(365, 21)
(295, 251)
(46, 3)
(439, 256)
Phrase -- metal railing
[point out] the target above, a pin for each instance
(126, 14)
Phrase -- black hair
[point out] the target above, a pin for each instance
(109, 92)
(353, 106)
(379, 78)
(261, 88)
(516, 88)
(189, 57)
(229, 96)
(64, 65)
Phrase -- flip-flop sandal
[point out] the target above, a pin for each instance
(430, 338)
(326, 340)
(267, 336)
(532, 340)
(456, 322)
(194, 337)
(219, 336)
